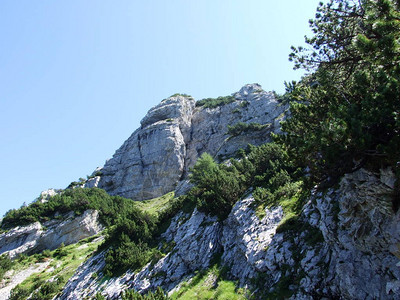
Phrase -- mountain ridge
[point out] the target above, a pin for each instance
(349, 233)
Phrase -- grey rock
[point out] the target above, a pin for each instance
(157, 157)
(351, 262)
(34, 238)
(246, 239)
(20, 239)
(92, 182)
(151, 162)
(47, 194)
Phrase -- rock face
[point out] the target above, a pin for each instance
(357, 254)
(364, 237)
(245, 239)
(345, 245)
(196, 239)
(35, 237)
(158, 155)
(20, 239)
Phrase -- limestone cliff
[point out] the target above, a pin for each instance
(344, 244)
(156, 158)
(36, 237)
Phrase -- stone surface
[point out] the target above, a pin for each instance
(246, 238)
(243, 238)
(20, 239)
(359, 259)
(151, 162)
(34, 238)
(47, 194)
(345, 244)
(156, 158)
(355, 257)
(18, 277)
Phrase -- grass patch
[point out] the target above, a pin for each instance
(156, 205)
(210, 284)
(48, 283)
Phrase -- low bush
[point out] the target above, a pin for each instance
(215, 102)
(158, 294)
(264, 169)
(5, 264)
(242, 127)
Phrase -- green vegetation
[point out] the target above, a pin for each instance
(244, 104)
(132, 227)
(49, 282)
(157, 205)
(241, 127)
(5, 264)
(210, 284)
(133, 239)
(346, 113)
(158, 294)
(179, 94)
(77, 200)
(215, 102)
(264, 169)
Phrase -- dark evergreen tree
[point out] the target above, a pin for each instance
(346, 113)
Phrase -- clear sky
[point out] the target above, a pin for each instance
(77, 76)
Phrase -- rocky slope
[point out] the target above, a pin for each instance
(345, 244)
(179, 132)
(36, 237)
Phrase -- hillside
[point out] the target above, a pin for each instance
(249, 196)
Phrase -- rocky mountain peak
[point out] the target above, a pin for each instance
(176, 107)
(173, 134)
(247, 90)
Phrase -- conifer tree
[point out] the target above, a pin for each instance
(345, 113)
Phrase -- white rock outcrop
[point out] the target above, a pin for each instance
(198, 238)
(156, 158)
(37, 237)
(345, 245)
(20, 239)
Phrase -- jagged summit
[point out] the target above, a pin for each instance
(156, 157)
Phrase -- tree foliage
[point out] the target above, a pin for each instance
(346, 113)
(219, 186)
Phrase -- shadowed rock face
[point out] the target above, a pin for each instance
(173, 134)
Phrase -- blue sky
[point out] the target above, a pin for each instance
(76, 77)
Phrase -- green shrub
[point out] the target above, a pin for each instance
(215, 102)
(5, 264)
(179, 94)
(99, 296)
(158, 294)
(46, 291)
(77, 200)
(19, 293)
(217, 186)
(61, 251)
(265, 169)
(242, 127)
